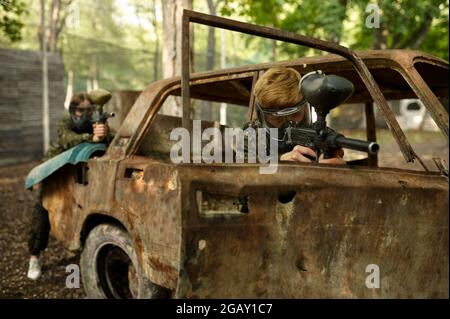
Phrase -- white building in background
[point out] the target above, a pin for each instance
(412, 113)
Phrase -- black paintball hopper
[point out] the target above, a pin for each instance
(325, 92)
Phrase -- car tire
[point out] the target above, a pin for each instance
(110, 268)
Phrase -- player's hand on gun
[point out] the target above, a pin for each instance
(100, 131)
(305, 154)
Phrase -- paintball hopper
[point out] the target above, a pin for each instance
(99, 96)
(325, 92)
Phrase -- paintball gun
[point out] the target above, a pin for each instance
(100, 97)
(325, 92)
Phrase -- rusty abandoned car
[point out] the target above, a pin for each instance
(146, 227)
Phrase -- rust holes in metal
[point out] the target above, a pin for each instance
(221, 205)
(403, 183)
(300, 264)
(243, 204)
(286, 197)
(122, 141)
(134, 173)
(82, 174)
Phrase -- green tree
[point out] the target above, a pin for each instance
(404, 24)
(313, 18)
(11, 14)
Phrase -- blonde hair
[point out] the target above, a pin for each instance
(278, 88)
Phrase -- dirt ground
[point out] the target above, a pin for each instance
(16, 206)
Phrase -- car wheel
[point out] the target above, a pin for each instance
(110, 268)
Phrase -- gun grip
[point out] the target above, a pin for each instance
(328, 154)
(312, 159)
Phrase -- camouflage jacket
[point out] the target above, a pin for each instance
(68, 138)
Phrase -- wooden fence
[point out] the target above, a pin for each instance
(21, 137)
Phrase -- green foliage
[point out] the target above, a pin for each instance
(11, 15)
(343, 21)
(104, 43)
(313, 18)
(401, 23)
(436, 41)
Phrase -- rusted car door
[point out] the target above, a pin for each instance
(340, 223)
(148, 195)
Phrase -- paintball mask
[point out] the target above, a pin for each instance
(81, 124)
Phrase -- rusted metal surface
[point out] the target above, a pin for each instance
(433, 105)
(317, 245)
(371, 132)
(192, 236)
(151, 201)
(251, 105)
(146, 204)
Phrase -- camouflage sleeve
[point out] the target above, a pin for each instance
(67, 138)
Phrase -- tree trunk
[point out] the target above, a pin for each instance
(336, 35)
(223, 106)
(380, 38)
(274, 50)
(69, 91)
(171, 49)
(92, 82)
(210, 59)
(88, 84)
(274, 42)
(211, 50)
(156, 61)
(57, 18)
(54, 22)
(417, 37)
(423, 121)
(45, 102)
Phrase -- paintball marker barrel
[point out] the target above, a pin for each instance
(357, 145)
(101, 117)
(327, 142)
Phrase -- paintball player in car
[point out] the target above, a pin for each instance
(74, 128)
(278, 101)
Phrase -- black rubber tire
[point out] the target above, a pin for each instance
(97, 281)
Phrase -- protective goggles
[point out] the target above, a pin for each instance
(83, 109)
(283, 112)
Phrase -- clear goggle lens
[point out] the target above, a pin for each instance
(283, 112)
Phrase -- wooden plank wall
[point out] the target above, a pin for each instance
(21, 103)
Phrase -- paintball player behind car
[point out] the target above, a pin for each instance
(75, 128)
(279, 101)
